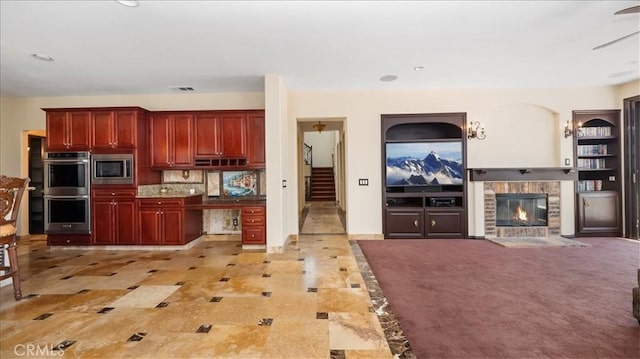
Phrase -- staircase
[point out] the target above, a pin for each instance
(322, 184)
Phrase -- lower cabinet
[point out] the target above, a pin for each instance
(163, 221)
(598, 214)
(405, 223)
(253, 225)
(444, 223)
(114, 217)
(421, 223)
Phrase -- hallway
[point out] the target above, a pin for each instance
(322, 217)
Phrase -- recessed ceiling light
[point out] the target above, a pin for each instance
(42, 57)
(182, 88)
(128, 3)
(621, 73)
(388, 78)
(418, 68)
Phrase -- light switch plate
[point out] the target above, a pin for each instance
(363, 182)
(284, 183)
(567, 162)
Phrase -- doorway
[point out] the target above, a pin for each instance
(321, 189)
(36, 197)
(632, 167)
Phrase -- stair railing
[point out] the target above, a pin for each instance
(308, 162)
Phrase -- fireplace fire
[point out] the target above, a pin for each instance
(521, 209)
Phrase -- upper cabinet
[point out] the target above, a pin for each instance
(229, 139)
(97, 128)
(115, 129)
(220, 135)
(68, 130)
(171, 138)
(255, 140)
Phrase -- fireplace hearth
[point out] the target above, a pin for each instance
(521, 209)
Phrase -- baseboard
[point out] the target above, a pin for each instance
(357, 237)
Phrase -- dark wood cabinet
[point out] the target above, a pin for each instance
(445, 223)
(597, 156)
(256, 140)
(68, 130)
(168, 221)
(114, 217)
(115, 129)
(404, 223)
(253, 225)
(171, 139)
(598, 212)
(220, 138)
(423, 168)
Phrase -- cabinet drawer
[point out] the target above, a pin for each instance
(105, 193)
(68, 240)
(253, 236)
(253, 211)
(146, 202)
(253, 221)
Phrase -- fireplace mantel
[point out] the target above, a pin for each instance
(524, 174)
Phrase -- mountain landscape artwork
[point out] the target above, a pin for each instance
(424, 163)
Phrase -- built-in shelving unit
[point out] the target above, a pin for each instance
(597, 154)
(423, 159)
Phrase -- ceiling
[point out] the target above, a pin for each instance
(104, 48)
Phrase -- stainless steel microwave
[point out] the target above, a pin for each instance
(112, 168)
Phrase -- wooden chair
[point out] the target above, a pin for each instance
(11, 191)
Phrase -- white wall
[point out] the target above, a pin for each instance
(511, 116)
(535, 117)
(323, 145)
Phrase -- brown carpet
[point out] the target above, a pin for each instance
(474, 299)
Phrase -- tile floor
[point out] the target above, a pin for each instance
(213, 300)
(322, 217)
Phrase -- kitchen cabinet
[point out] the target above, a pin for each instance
(115, 129)
(255, 140)
(253, 225)
(114, 217)
(166, 221)
(171, 139)
(68, 130)
(220, 138)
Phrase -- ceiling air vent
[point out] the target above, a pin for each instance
(182, 88)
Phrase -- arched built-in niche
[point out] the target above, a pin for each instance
(520, 135)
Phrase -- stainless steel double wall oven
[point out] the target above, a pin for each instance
(67, 192)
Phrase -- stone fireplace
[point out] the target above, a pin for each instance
(522, 208)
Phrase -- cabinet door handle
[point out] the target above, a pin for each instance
(415, 223)
(586, 203)
(433, 223)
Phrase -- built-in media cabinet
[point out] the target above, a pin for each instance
(597, 153)
(424, 177)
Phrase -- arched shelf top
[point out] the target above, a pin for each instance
(423, 131)
(598, 122)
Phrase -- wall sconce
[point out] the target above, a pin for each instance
(568, 131)
(476, 130)
(319, 126)
(185, 174)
